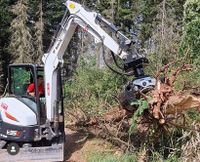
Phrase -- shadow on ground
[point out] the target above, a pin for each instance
(73, 143)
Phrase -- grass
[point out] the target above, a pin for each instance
(96, 157)
(103, 157)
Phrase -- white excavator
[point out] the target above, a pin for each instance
(32, 127)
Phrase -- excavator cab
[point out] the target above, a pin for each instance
(24, 129)
(20, 77)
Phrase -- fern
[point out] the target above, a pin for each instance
(142, 105)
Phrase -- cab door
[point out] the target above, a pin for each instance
(20, 76)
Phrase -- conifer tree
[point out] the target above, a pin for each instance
(166, 34)
(21, 40)
(1, 73)
(39, 30)
(5, 57)
(53, 11)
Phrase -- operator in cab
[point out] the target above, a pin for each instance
(31, 87)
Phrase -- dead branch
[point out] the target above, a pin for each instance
(165, 105)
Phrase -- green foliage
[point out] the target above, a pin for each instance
(5, 56)
(125, 14)
(91, 4)
(21, 39)
(153, 13)
(112, 158)
(163, 30)
(166, 141)
(105, 157)
(191, 39)
(172, 158)
(190, 79)
(149, 10)
(157, 157)
(19, 84)
(53, 12)
(193, 115)
(142, 106)
(121, 12)
(92, 88)
(37, 28)
(191, 10)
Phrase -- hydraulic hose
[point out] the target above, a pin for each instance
(104, 53)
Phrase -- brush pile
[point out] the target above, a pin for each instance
(164, 106)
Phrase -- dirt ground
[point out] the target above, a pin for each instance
(79, 147)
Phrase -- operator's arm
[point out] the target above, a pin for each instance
(31, 89)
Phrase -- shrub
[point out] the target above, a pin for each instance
(191, 39)
(92, 89)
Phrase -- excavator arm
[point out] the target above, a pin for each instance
(90, 22)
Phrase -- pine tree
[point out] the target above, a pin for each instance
(150, 11)
(53, 11)
(21, 40)
(1, 73)
(5, 57)
(126, 14)
(166, 35)
(39, 30)
(91, 4)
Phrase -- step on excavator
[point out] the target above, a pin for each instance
(32, 126)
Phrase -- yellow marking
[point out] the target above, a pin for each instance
(72, 6)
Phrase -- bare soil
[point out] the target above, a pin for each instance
(79, 146)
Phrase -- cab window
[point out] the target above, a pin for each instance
(20, 78)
